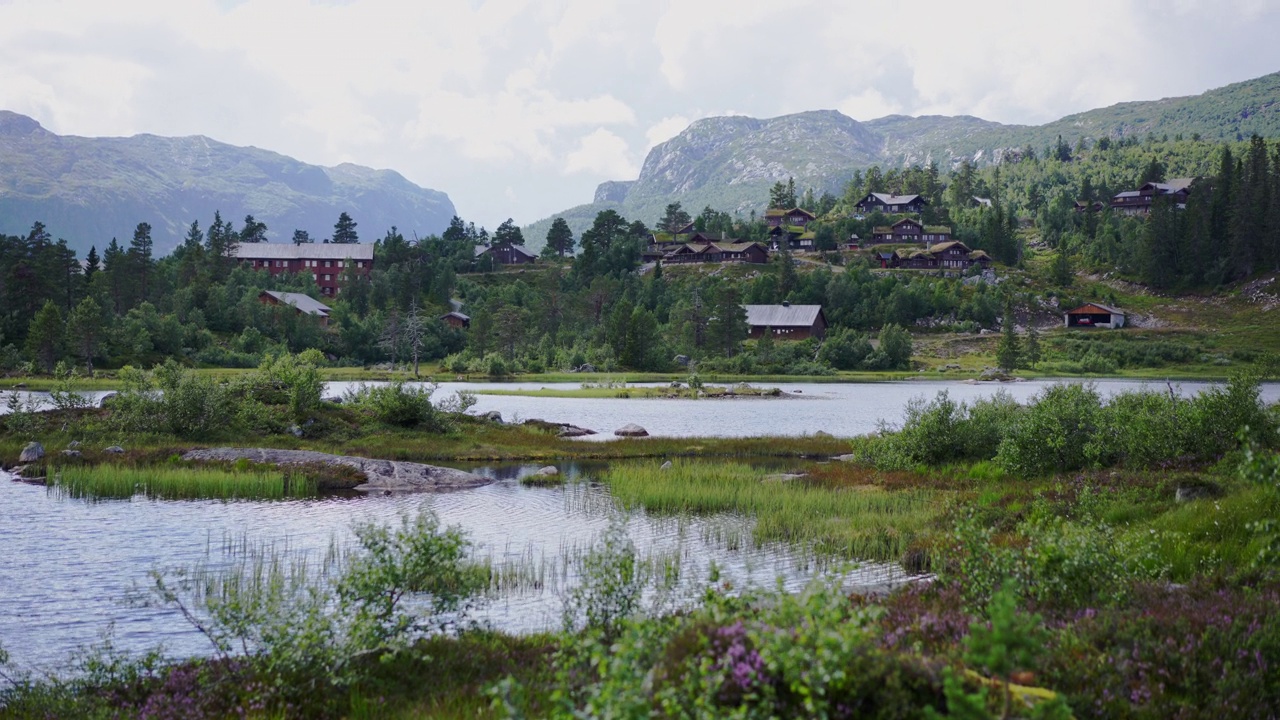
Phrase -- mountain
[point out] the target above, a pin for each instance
(88, 190)
(730, 163)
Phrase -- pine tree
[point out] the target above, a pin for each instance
(301, 237)
(91, 264)
(508, 232)
(1009, 351)
(673, 218)
(344, 231)
(84, 328)
(253, 231)
(1032, 351)
(44, 336)
(140, 257)
(559, 238)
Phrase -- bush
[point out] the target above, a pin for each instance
(941, 431)
(291, 380)
(399, 404)
(1057, 432)
(174, 400)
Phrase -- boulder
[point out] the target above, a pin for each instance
(492, 416)
(681, 360)
(295, 431)
(71, 453)
(845, 458)
(105, 400)
(666, 465)
(33, 452)
(115, 450)
(548, 471)
(1197, 491)
(73, 445)
(587, 368)
(631, 430)
(823, 434)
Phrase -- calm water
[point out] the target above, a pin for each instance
(68, 565)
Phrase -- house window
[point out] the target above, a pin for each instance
(328, 263)
(339, 263)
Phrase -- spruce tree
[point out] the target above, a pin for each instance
(559, 238)
(1009, 351)
(344, 231)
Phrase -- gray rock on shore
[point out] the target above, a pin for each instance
(631, 430)
(383, 476)
(33, 452)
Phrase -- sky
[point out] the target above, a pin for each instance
(519, 109)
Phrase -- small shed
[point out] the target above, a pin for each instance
(456, 319)
(303, 304)
(786, 321)
(1094, 315)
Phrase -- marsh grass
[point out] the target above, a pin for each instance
(179, 483)
(862, 522)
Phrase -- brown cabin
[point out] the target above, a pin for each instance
(795, 217)
(891, 204)
(786, 321)
(456, 320)
(1138, 202)
(908, 231)
(506, 253)
(718, 252)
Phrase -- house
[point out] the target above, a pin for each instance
(1094, 315)
(325, 261)
(795, 217)
(1138, 202)
(740, 252)
(786, 321)
(795, 238)
(979, 202)
(910, 231)
(887, 203)
(1082, 207)
(505, 253)
(457, 320)
(303, 304)
(951, 255)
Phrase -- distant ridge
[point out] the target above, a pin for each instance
(729, 163)
(89, 190)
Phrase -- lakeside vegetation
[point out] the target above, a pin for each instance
(1070, 540)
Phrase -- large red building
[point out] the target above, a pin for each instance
(325, 261)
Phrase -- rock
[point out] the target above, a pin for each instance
(33, 452)
(381, 475)
(115, 450)
(492, 416)
(783, 477)
(665, 466)
(631, 430)
(587, 368)
(676, 384)
(73, 444)
(681, 360)
(1197, 491)
(106, 399)
(845, 458)
(823, 434)
(71, 453)
(549, 471)
(951, 366)
(295, 431)
(572, 431)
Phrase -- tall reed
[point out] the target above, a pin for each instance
(179, 483)
(866, 523)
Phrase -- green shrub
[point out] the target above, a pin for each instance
(941, 431)
(400, 404)
(1056, 432)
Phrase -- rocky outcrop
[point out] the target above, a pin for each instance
(389, 476)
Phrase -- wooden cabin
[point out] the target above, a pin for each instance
(891, 204)
(910, 232)
(786, 321)
(1138, 202)
(795, 217)
(506, 253)
(456, 320)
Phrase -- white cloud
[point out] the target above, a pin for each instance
(665, 129)
(868, 105)
(604, 154)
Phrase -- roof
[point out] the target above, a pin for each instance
(982, 201)
(907, 221)
(456, 314)
(943, 246)
(304, 303)
(780, 316)
(774, 212)
(978, 255)
(937, 229)
(305, 251)
(737, 246)
(1085, 309)
(480, 249)
(888, 199)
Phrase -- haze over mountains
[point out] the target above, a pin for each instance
(729, 163)
(88, 190)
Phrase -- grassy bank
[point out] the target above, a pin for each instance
(179, 483)
(624, 392)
